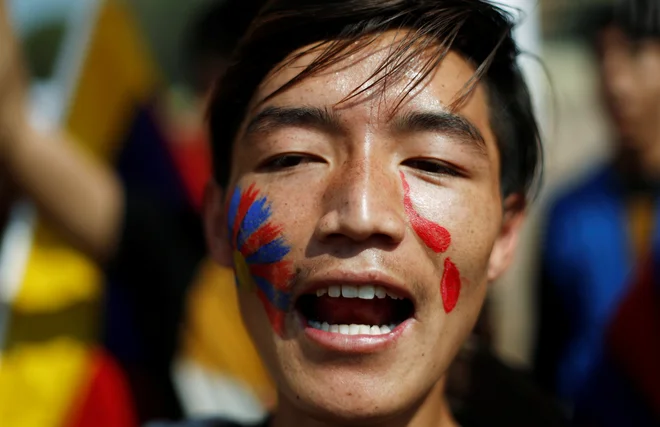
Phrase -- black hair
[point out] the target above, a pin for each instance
(478, 30)
(213, 34)
(638, 19)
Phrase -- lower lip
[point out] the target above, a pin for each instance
(356, 344)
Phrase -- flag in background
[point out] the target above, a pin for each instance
(71, 352)
(53, 371)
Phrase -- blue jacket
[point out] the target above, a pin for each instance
(587, 268)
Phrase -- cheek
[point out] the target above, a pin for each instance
(260, 249)
(298, 219)
(471, 254)
(256, 323)
(475, 230)
(438, 240)
(465, 267)
(462, 231)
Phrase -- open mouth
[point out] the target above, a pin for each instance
(354, 310)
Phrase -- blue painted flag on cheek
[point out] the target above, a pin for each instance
(259, 252)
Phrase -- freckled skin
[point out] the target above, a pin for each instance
(342, 208)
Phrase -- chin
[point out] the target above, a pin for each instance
(350, 392)
(351, 405)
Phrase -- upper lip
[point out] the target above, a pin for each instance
(356, 278)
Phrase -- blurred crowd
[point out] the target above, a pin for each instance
(112, 315)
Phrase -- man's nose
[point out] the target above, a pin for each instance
(364, 201)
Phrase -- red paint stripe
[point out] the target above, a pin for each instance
(434, 236)
(247, 198)
(263, 236)
(450, 286)
(275, 316)
(279, 273)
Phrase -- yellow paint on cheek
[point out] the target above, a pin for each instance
(242, 271)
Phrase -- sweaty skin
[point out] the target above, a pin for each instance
(332, 178)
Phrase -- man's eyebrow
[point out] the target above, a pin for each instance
(442, 122)
(272, 118)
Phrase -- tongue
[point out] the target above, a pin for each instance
(346, 311)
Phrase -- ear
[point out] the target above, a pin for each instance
(215, 225)
(506, 243)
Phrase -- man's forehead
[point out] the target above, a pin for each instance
(327, 90)
(363, 71)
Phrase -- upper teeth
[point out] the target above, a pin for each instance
(351, 291)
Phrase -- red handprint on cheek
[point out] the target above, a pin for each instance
(438, 239)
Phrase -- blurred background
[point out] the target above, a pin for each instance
(127, 80)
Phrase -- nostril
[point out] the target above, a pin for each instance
(342, 246)
(385, 240)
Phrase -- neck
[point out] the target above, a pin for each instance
(642, 161)
(433, 411)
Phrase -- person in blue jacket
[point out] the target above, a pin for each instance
(598, 340)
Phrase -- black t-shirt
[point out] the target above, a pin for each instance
(496, 394)
(493, 395)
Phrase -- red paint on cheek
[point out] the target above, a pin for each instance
(275, 317)
(450, 286)
(438, 239)
(434, 236)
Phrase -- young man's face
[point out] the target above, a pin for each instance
(629, 75)
(329, 197)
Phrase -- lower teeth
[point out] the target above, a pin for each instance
(353, 329)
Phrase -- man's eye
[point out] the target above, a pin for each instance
(432, 166)
(286, 161)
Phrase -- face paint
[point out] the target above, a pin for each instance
(450, 286)
(259, 251)
(438, 239)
